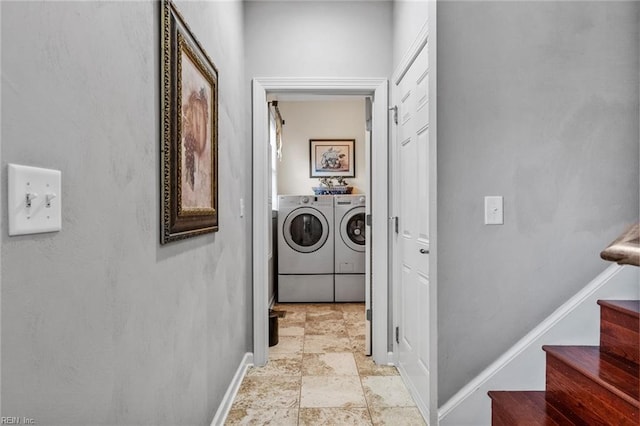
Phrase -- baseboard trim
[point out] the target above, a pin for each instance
(595, 288)
(232, 390)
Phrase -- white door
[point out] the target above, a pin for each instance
(270, 236)
(367, 241)
(412, 239)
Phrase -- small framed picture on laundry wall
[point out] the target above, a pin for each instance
(189, 108)
(332, 157)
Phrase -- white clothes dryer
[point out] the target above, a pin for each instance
(350, 238)
(305, 248)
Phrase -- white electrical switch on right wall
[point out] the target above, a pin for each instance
(34, 200)
(493, 212)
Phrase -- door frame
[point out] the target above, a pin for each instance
(378, 89)
(425, 39)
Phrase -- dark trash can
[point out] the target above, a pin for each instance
(273, 328)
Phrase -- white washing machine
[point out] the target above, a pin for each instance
(305, 248)
(350, 238)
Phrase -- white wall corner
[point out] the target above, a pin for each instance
(522, 367)
(225, 405)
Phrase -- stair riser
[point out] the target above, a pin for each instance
(620, 334)
(593, 402)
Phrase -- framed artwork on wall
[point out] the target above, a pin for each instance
(189, 150)
(332, 157)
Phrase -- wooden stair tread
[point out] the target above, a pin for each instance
(532, 408)
(629, 307)
(615, 374)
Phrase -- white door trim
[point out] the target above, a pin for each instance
(378, 88)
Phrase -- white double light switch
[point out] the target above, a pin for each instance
(493, 211)
(35, 202)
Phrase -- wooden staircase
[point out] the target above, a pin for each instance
(585, 385)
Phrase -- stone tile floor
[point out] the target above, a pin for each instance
(318, 374)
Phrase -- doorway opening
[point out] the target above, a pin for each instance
(320, 181)
(374, 185)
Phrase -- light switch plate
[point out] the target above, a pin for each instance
(493, 210)
(41, 188)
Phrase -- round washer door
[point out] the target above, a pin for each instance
(305, 230)
(353, 229)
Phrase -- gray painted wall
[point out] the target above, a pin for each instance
(537, 102)
(318, 39)
(101, 324)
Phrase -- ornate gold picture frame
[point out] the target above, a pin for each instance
(189, 169)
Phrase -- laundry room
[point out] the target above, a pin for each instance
(319, 195)
(319, 190)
